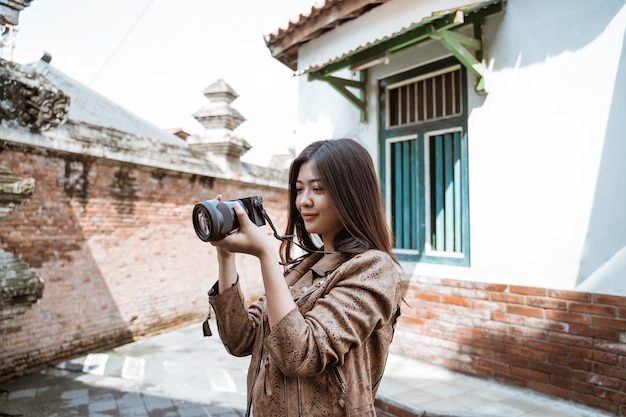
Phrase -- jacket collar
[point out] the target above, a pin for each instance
(319, 264)
(328, 263)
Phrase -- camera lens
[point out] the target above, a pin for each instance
(213, 219)
(202, 222)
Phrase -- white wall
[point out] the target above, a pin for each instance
(547, 155)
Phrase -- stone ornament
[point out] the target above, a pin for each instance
(29, 100)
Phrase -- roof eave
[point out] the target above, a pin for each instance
(410, 35)
(285, 43)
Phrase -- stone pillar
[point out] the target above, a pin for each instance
(219, 120)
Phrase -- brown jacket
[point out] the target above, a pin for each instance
(327, 357)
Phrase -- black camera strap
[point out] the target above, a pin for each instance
(290, 238)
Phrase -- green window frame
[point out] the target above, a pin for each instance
(424, 162)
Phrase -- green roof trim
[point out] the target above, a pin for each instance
(439, 27)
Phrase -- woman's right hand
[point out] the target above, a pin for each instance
(222, 253)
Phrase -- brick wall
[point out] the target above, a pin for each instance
(562, 343)
(116, 248)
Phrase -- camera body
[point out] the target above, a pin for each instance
(214, 219)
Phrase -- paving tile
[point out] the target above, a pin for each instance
(416, 398)
(130, 400)
(182, 374)
(445, 390)
(498, 410)
(23, 393)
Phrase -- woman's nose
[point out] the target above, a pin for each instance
(305, 200)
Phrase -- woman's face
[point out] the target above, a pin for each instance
(315, 207)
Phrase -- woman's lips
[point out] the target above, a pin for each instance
(307, 216)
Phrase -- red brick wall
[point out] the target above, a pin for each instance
(116, 248)
(562, 343)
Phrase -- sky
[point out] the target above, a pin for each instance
(154, 58)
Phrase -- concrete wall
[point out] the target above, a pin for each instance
(115, 246)
(546, 179)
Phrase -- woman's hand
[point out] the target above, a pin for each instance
(253, 240)
(222, 253)
(248, 238)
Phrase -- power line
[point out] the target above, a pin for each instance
(130, 30)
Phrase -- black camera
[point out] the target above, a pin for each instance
(214, 219)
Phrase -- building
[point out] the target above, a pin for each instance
(498, 131)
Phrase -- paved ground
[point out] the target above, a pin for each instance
(183, 374)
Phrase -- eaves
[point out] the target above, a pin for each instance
(327, 15)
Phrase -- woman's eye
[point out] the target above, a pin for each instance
(298, 190)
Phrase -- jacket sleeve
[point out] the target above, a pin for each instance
(364, 297)
(237, 323)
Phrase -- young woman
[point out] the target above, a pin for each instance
(320, 336)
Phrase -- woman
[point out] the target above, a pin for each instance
(320, 336)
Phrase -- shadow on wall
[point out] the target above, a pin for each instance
(603, 265)
(588, 19)
(44, 233)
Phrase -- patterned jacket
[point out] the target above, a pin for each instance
(327, 356)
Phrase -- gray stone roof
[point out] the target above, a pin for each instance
(92, 108)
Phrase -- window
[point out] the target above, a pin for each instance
(424, 160)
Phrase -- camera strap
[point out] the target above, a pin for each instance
(290, 238)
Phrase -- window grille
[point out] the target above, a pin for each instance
(425, 99)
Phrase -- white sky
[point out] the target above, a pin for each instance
(154, 57)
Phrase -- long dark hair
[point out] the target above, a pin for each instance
(346, 171)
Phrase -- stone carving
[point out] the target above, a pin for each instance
(25, 186)
(28, 99)
(13, 190)
(20, 286)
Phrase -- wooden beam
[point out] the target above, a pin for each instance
(464, 49)
(341, 85)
